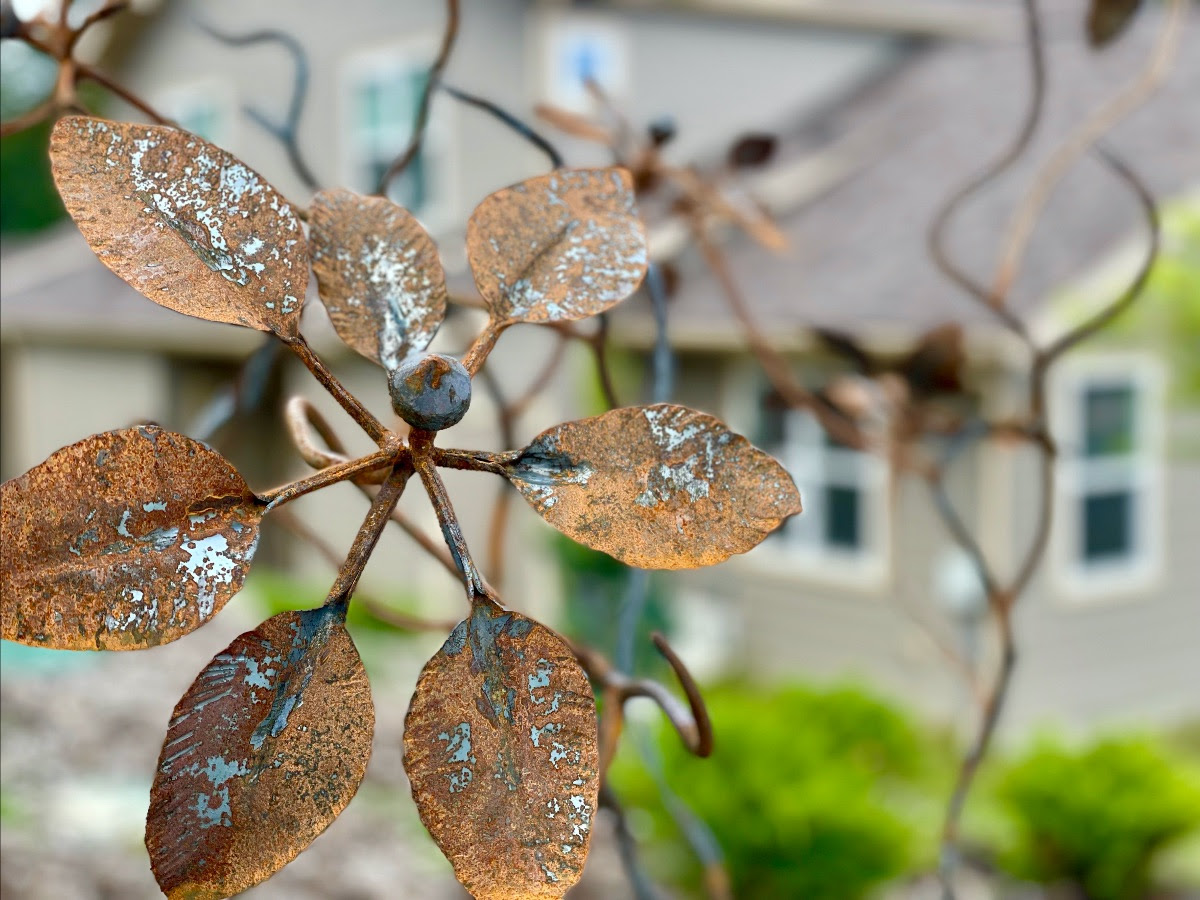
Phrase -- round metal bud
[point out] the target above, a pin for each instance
(430, 391)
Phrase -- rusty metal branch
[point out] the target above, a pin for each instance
(483, 345)
(374, 607)
(389, 456)
(88, 73)
(287, 132)
(521, 128)
(775, 366)
(371, 425)
(691, 722)
(421, 443)
(1136, 284)
(639, 881)
(1144, 84)
(368, 536)
(1033, 115)
(403, 161)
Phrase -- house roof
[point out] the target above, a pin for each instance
(863, 180)
(858, 259)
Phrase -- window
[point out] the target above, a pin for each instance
(383, 92)
(203, 107)
(843, 531)
(580, 49)
(1109, 417)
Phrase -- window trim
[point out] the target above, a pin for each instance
(868, 571)
(1078, 581)
(415, 54)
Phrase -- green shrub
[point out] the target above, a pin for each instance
(1096, 817)
(808, 793)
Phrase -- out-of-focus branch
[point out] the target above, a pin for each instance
(519, 127)
(643, 887)
(1033, 115)
(775, 366)
(287, 131)
(403, 161)
(1147, 81)
(1138, 282)
(691, 722)
(88, 73)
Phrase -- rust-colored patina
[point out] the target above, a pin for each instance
(265, 749)
(500, 746)
(184, 222)
(378, 273)
(560, 247)
(658, 487)
(122, 541)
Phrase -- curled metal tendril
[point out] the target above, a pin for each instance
(287, 131)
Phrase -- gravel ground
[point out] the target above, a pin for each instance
(80, 735)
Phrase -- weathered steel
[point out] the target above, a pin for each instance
(500, 746)
(184, 222)
(1107, 19)
(122, 541)
(430, 391)
(265, 749)
(560, 247)
(378, 273)
(659, 487)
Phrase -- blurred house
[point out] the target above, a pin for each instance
(882, 109)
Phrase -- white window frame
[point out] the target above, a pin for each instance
(556, 87)
(437, 213)
(173, 100)
(799, 548)
(1077, 476)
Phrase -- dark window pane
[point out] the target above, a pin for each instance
(771, 412)
(1108, 421)
(842, 517)
(1107, 526)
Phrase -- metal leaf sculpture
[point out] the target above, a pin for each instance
(183, 222)
(378, 273)
(265, 749)
(1108, 19)
(560, 247)
(660, 487)
(500, 746)
(122, 541)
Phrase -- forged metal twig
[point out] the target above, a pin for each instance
(287, 131)
(1086, 135)
(519, 127)
(402, 162)
(1033, 115)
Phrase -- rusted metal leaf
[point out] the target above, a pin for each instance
(183, 222)
(1107, 19)
(500, 746)
(659, 487)
(122, 541)
(752, 150)
(379, 274)
(557, 248)
(265, 749)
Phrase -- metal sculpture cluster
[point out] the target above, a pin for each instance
(136, 537)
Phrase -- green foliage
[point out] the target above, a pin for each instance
(278, 593)
(596, 585)
(30, 201)
(1096, 817)
(809, 793)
